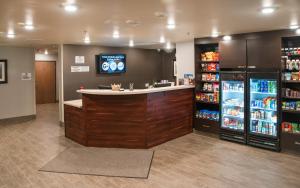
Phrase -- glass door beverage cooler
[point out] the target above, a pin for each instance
(232, 113)
(263, 110)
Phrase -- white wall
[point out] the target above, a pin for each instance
(185, 58)
(50, 57)
(60, 69)
(17, 97)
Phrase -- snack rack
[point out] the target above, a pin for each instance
(207, 88)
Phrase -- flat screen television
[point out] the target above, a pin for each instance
(111, 63)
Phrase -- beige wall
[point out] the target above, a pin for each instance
(17, 97)
(185, 58)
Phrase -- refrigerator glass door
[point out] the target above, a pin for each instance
(232, 116)
(263, 107)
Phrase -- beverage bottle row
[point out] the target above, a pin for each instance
(263, 127)
(233, 123)
(264, 86)
(264, 115)
(267, 103)
(227, 86)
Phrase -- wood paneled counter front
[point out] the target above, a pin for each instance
(130, 119)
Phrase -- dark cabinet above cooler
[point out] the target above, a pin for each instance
(264, 53)
(232, 54)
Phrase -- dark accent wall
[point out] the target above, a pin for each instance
(143, 65)
(168, 65)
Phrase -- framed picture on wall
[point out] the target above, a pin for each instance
(3, 71)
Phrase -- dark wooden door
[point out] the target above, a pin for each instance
(233, 54)
(264, 52)
(45, 82)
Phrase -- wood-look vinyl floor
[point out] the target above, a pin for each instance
(187, 162)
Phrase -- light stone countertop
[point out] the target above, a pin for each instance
(134, 92)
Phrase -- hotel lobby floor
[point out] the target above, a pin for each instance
(190, 161)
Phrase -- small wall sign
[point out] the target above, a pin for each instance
(26, 76)
(3, 71)
(80, 68)
(79, 59)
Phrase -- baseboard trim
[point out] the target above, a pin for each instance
(16, 120)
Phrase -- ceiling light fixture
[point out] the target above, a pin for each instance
(298, 31)
(70, 7)
(227, 38)
(267, 10)
(11, 35)
(215, 34)
(168, 46)
(131, 43)
(87, 40)
(171, 26)
(86, 37)
(46, 52)
(162, 39)
(116, 35)
(294, 27)
(29, 27)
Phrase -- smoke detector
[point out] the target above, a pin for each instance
(161, 15)
(133, 23)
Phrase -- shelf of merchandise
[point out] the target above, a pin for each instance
(291, 81)
(208, 61)
(210, 81)
(291, 111)
(292, 98)
(206, 102)
(290, 142)
(209, 72)
(205, 125)
(266, 109)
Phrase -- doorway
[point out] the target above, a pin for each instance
(45, 83)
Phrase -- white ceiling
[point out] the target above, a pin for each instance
(194, 18)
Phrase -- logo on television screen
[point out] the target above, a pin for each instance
(120, 66)
(113, 65)
(105, 66)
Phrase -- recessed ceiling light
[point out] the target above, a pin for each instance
(267, 10)
(131, 43)
(86, 37)
(29, 27)
(133, 23)
(46, 52)
(160, 15)
(227, 38)
(215, 34)
(116, 35)
(168, 46)
(294, 26)
(171, 26)
(87, 40)
(298, 31)
(70, 7)
(162, 39)
(11, 35)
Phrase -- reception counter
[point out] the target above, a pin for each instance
(141, 118)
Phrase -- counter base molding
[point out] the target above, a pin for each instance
(130, 121)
